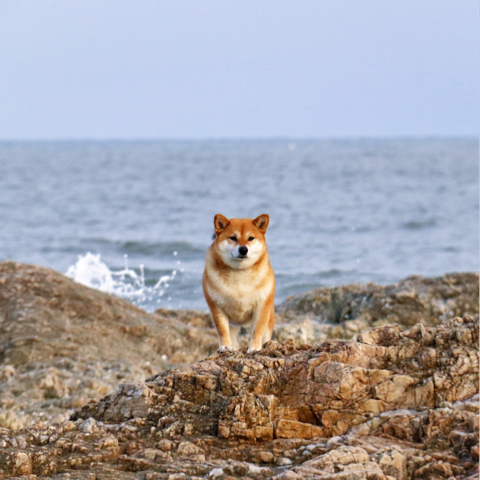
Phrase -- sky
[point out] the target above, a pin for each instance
(118, 69)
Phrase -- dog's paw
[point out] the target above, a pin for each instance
(253, 349)
(225, 349)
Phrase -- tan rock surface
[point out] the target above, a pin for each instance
(288, 391)
(383, 407)
(63, 344)
(392, 403)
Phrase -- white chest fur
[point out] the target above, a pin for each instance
(239, 293)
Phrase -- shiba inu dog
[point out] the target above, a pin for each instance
(238, 281)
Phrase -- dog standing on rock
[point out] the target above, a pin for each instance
(238, 281)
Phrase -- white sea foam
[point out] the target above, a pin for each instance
(126, 283)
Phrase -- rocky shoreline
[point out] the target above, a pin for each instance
(361, 382)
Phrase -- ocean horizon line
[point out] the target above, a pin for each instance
(239, 139)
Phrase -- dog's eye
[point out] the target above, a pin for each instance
(234, 239)
(250, 239)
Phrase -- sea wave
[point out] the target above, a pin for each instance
(134, 247)
(89, 270)
(419, 224)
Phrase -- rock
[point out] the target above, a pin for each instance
(7, 372)
(216, 473)
(394, 464)
(89, 426)
(188, 448)
(193, 318)
(165, 445)
(63, 344)
(320, 396)
(21, 464)
(474, 452)
(265, 457)
(397, 401)
(345, 311)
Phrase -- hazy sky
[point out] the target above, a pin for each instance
(250, 68)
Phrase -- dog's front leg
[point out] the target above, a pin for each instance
(223, 329)
(260, 324)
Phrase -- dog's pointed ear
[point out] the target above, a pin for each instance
(220, 223)
(261, 222)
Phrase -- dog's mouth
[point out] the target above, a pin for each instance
(239, 257)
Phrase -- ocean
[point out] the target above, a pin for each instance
(134, 218)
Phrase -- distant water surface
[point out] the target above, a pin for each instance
(342, 211)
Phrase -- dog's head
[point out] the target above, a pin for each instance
(240, 241)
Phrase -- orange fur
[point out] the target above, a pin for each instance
(238, 281)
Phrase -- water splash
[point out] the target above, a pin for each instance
(126, 283)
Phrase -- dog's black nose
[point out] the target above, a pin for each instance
(242, 250)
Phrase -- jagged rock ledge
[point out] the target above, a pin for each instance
(391, 405)
(63, 344)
